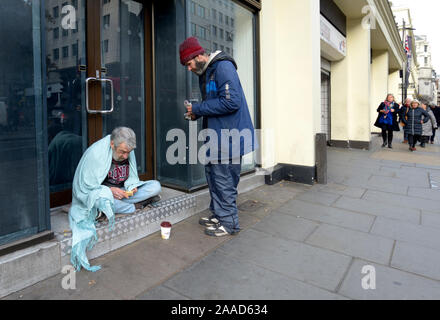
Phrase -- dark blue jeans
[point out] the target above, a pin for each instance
(222, 181)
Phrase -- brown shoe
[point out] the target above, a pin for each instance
(405, 141)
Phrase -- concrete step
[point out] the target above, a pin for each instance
(26, 267)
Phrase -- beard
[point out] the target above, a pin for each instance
(115, 156)
(200, 65)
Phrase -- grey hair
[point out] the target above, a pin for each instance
(124, 134)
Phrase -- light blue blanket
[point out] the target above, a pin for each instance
(89, 196)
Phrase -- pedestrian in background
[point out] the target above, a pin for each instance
(429, 127)
(436, 111)
(413, 123)
(387, 120)
(402, 113)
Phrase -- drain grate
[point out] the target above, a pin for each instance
(251, 205)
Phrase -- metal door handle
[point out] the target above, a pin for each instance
(87, 95)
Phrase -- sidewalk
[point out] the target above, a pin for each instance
(380, 208)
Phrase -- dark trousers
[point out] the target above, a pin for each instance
(412, 139)
(222, 181)
(405, 135)
(387, 135)
(433, 134)
(424, 139)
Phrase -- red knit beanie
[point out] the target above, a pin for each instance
(189, 49)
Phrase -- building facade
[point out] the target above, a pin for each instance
(427, 74)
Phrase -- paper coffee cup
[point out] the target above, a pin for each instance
(165, 230)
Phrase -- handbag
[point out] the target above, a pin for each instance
(406, 118)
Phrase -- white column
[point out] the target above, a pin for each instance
(379, 83)
(291, 77)
(350, 81)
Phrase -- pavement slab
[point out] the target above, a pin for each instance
(330, 215)
(408, 232)
(402, 200)
(352, 243)
(379, 209)
(391, 284)
(322, 268)
(417, 259)
(238, 279)
(286, 226)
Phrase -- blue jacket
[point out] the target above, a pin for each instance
(224, 106)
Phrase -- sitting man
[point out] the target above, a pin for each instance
(106, 180)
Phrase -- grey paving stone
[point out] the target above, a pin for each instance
(379, 209)
(417, 259)
(409, 232)
(391, 284)
(353, 192)
(399, 183)
(286, 226)
(425, 193)
(330, 215)
(421, 165)
(300, 261)
(317, 197)
(404, 172)
(375, 185)
(353, 243)
(402, 201)
(238, 279)
(430, 219)
(161, 293)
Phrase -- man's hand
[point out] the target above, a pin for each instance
(189, 108)
(118, 193)
(192, 115)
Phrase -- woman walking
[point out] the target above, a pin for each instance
(413, 123)
(402, 113)
(436, 111)
(387, 120)
(429, 127)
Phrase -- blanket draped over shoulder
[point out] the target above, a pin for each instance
(89, 196)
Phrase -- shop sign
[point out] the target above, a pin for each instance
(333, 37)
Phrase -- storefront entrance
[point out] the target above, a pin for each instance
(98, 77)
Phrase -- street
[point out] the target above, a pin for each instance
(380, 208)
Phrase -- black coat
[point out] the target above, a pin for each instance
(414, 123)
(395, 124)
(436, 112)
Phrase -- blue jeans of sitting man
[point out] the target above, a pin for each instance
(150, 189)
(222, 181)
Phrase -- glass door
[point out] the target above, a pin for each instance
(97, 80)
(123, 57)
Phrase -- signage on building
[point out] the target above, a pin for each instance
(333, 37)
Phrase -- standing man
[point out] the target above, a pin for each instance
(223, 107)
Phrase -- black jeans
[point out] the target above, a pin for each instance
(424, 140)
(387, 134)
(412, 139)
(433, 134)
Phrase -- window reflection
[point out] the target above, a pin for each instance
(23, 210)
(219, 25)
(66, 118)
